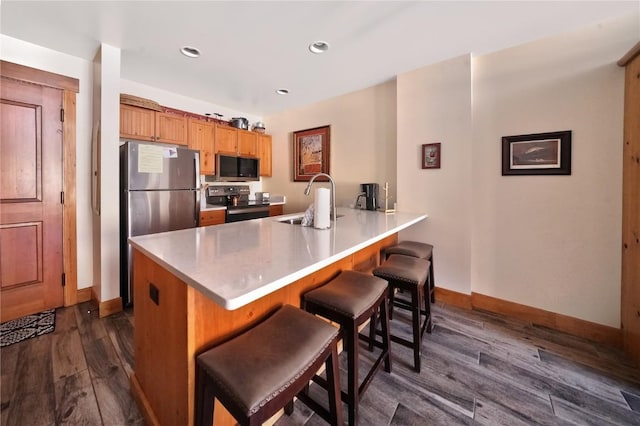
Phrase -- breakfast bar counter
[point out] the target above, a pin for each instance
(198, 287)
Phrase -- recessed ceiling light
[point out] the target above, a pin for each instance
(189, 51)
(282, 91)
(318, 47)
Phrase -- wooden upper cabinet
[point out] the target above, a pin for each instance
(201, 138)
(264, 153)
(247, 143)
(236, 141)
(226, 139)
(149, 125)
(137, 123)
(171, 128)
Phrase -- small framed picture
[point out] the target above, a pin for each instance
(537, 154)
(431, 155)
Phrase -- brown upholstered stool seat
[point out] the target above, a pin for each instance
(417, 249)
(411, 275)
(351, 299)
(260, 371)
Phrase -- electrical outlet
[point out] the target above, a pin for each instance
(154, 294)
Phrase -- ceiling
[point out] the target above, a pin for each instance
(250, 49)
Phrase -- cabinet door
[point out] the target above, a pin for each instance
(247, 143)
(276, 210)
(226, 139)
(212, 217)
(137, 123)
(264, 153)
(201, 136)
(171, 128)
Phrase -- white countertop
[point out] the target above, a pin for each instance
(237, 263)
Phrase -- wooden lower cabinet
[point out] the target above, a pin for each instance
(182, 322)
(276, 210)
(212, 217)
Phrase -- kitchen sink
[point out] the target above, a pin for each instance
(292, 220)
(297, 220)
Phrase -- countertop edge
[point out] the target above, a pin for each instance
(251, 296)
(254, 295)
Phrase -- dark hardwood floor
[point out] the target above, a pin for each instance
(77, 375)
(477, 368)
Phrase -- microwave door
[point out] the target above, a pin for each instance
(227, 167)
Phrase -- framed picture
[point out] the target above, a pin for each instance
(431, 155)
(537, 154)
(311, 153)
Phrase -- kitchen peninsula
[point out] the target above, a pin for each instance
(197, 287)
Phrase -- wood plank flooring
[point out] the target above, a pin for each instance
(478, 368)
(77, 375)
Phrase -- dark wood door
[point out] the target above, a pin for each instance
(30, 198)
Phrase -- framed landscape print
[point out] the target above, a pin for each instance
(537, 154)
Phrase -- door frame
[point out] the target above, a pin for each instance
(70, 86)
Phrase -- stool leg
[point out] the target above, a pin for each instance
(204, 401)
(372, 328)
(333, 387)
(288, 409)
(427, 310)
(386, 335)
(351, 340)
(417, 341)
(392, 292)
(432, 282)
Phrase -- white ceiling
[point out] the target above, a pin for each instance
(250, 49)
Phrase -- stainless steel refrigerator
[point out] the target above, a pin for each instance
(159, 191)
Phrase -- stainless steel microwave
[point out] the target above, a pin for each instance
(232, 168)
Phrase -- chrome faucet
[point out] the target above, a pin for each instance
(333, 191)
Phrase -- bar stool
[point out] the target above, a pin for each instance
(417, 249)
(259, 372)
(350, 299)
(409, 274)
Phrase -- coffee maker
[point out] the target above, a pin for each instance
(370, 192)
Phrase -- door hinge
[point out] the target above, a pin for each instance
(62, 114)
(61, 197)
(64, 279)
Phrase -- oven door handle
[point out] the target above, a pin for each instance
(247, 210)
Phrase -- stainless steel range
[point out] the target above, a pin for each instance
(236, 199)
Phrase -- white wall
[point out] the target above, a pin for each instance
(31, 55)
(434, 105)
(107, 282)
(553, 242)
(362, 144)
